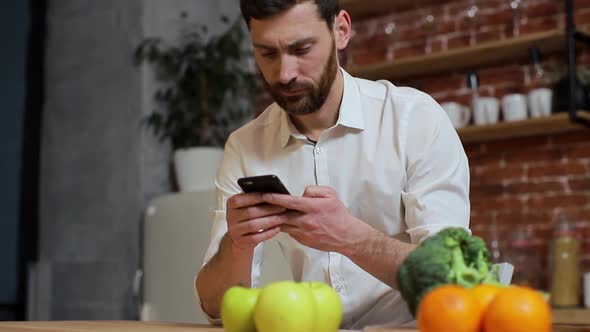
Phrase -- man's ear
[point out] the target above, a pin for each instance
(342, 29)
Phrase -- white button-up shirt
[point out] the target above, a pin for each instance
(397, 164)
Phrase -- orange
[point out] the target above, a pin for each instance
(515, 308)
(449, 308)
(484, 294)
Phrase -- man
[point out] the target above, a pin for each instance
(367, 163)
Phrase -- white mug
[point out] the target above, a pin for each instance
(514, 107)
(486, 110)
(459, 114)
(540, 102)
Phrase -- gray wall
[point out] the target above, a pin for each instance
(99, 169)
(14, 25)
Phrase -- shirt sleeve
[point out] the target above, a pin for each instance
(436, 195)
(226, 186)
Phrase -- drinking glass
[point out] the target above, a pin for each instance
(429, 26)
(516, 8)
(471, 14)
(390, 34)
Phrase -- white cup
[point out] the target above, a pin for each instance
(587, 289)
(486, 110)
(459, 114)
(514, 107)
(540, 102)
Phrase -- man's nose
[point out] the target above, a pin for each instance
(288, 69)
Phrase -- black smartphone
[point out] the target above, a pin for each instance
(263, 184)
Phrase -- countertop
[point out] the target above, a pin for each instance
(135, 326)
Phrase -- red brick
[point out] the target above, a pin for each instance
(481, 220)
(502, 90)
(578, 151)
(472, 148)
(534, 187)
(519, 144)
(579, 184)
(443, 83)
(567, 139)
(496, 75)
(485, 190)
(459, 97)
(494, 158)
(407, 18)
(365, 55)
(458, 41)
(408, 34)
(492, 174)
(496, 203)
(489, 36)
(542, 9)
(519, 217)
(582, 16)
(580, 4)
(539, 25)
(534, 156)
(457, 8)
(557, 201)
(575, 214)
(437, 45)
(556, 169)
(409, 51)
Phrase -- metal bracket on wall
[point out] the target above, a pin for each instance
(573, 35)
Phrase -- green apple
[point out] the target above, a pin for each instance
(237, 306)
(285, 306)
(328, 307)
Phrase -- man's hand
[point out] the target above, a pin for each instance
(250, 220)
(319, 220)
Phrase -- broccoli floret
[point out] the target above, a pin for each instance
(450, 257)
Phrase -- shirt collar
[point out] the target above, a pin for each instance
(350, 114)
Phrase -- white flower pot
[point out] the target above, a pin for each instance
(197, 167)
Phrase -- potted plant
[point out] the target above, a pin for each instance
(206, 93)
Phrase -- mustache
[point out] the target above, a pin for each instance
(291, 86)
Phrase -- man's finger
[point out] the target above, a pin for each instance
(256, 225)
(244, 199)
(257, 211)
(318, 191)
(290, 202)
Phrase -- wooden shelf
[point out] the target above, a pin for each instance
(466, 57)
(359, 9)
(556, 123)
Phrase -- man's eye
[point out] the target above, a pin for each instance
(302, 50)
(268, 54)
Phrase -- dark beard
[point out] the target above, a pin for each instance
(312, 98)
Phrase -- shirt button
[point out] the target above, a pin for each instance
(338, 288)
(318, 150)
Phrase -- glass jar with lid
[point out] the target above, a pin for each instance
(564, 264)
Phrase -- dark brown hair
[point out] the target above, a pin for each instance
(261, 9)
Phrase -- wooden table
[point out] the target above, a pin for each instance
(134, 326)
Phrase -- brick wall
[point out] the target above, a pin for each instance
(517, 184)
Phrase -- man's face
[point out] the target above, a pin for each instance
(296, 54)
